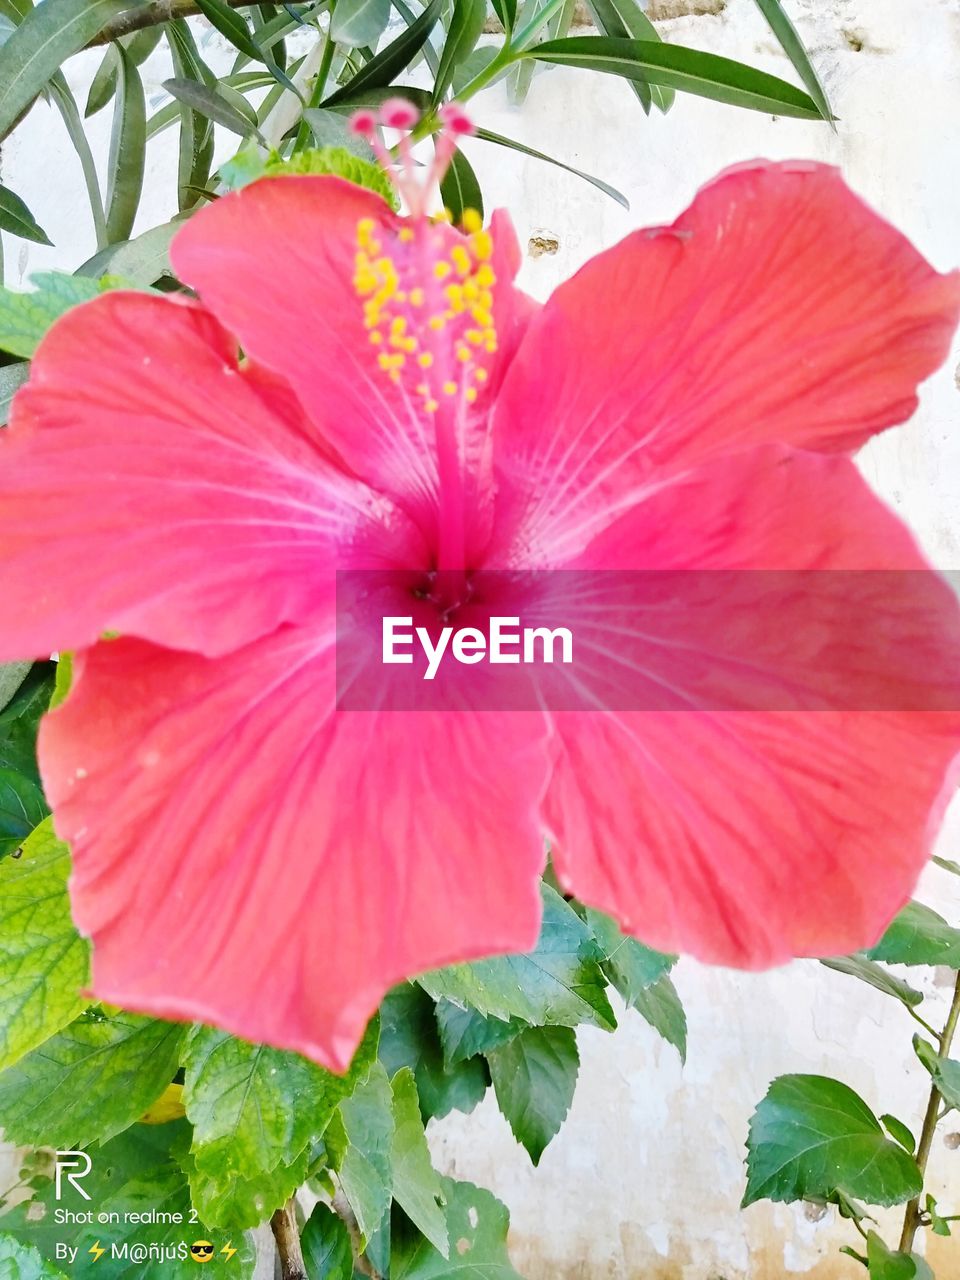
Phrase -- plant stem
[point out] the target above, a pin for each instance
(911, 1217)
(320, 83)
(283, 1224)
(151, 15)
(361, 1262)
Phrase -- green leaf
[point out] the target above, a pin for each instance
(104, 83)
(477, 1223)
(22, 803)
(947, 865)
(141, 261)
(945, 1072)
(560, 983)
(221, 104)
(464, 1032)
(359, 22)
(466, 27)
(792, 45)
(385, 66)
(675, 67)
(325, 1242)
(26, 317)
(534, 1078)
(12, 676)
(16, 218)
(137, 1173)
(255, 1112)
(661, 1007)
(885, 1264)
(918, 936)
(363, 1135)
(409, 1038)
(630, 966)
(230, 24)
(874, 976)
(459, 188)
(12, 378)
(340, 163)
(48, 35)
(625, 18)
(416, 1184)
(939, 1225)
(66, 104)
(332, 129)
(812, 1137)
(506, 11)
(128, 142)
(22, 1262)
(196, 129)
(90, 1081)
(488, 135)
(899, 1132)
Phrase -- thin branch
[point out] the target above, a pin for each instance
(283, 1224)
(912, 1215)
(361, 1262)
(151, 15)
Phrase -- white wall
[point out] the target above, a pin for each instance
(645, 1179)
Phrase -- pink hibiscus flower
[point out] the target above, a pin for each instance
(358, 390)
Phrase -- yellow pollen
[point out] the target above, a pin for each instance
(461, 260)
(481, 375)
(449, 388)
(416, 297)
(463, 353)
(406, 235)
(425, 360)
(437, 322)
(471, 221)
(431, 406)
(471, 394)
(441, 270)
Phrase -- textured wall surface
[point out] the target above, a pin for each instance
(645, 1179)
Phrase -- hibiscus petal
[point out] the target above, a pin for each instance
(277, 263)
(163, 490)
(245, 856)
(748, 837)
(778, 308)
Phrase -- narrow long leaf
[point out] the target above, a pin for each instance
(67, 106)
(625, 18)
(383, 69)
(506, 11)
(487, 135)
(704, 74)
(460, 189)
(196, 129)
(429, 53)
(222, 104)
(466, 26)
(359, 22)
(12, 378)
(128, 147)
(16, 218)
(48, 35)
(792, 45)
(230, 24)
(104, 83)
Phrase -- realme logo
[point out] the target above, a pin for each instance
(76, 1165)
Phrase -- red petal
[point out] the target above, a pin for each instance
(747, 837)
(276, 263)
(151, 486)
(778, 308)
(247, 857)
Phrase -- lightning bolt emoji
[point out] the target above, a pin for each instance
(228, 1250)
(96, 1251)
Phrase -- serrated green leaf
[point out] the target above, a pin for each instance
(325, 1242)
(630, 966)
(12, 676)
(20, 1261)
(16, 218)
(416, 1184)
(26, 317)
(48, 35)
(873, 975)
(887, 1264)
(792, 45)
(44, 963)
(12, 378)
(128, 143)
(812, 1137)
(466, 27)
(136, 1173)
(363, 1134)
(488, 135)
(465, 1033)
(90, 1081)
(221, 104)
(918, 936)
(385, 66)
(534, 1077)
(661, 1006)
(22, 803)
(337, 162)
(409, 1038)
(476, 1221)
(255, 1111)
(559, 983)
(459, 188)
(674, 67)
(359, 22)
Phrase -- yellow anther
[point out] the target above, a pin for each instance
(482, 245)
(463, 353)
(485, 276)
(471, 221)
(416, 297)
(474, 337)
(441, 270)
(425, 360)
(449, 388)
(405, 235)
(398, 324)
(376, 338)
(471, 394)
(437, 322)
(481, 375)
(431, 406)
(461, 260)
